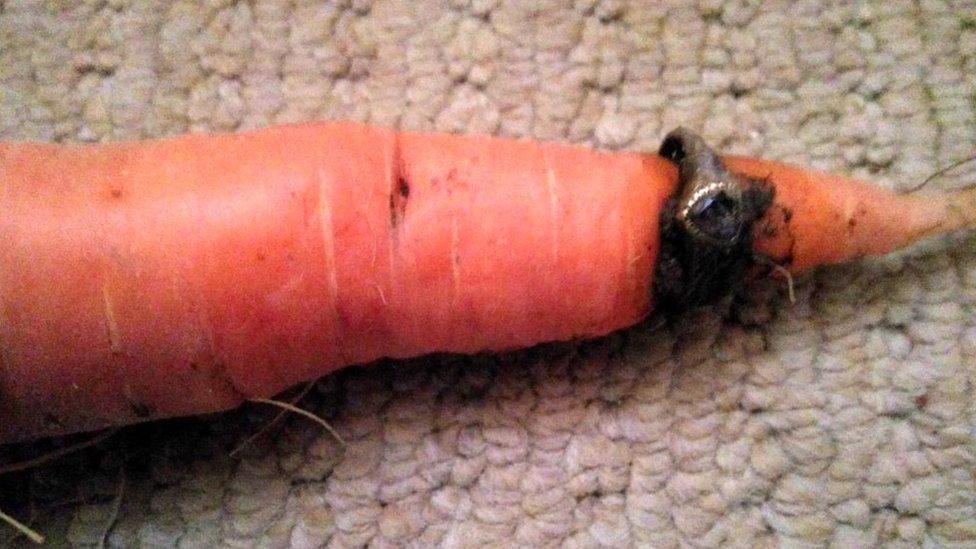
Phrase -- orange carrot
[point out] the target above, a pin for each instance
(820, 219)
(185, 275)
(180, 276)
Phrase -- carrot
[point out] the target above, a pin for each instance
(821, 219)
(143, 280)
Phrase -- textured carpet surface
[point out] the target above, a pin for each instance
(848, 418)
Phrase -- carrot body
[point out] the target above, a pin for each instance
(181, 276)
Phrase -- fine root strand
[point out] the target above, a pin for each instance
(295, 409)
(941, 172)
(116, 507)
(764, 259)
(22, 528)
(57, 454)
(790, 289)
(274, 421)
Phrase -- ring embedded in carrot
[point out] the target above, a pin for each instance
(181, 276)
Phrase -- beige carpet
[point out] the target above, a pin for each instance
(847, 419)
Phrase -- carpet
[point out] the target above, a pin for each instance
(845, 419)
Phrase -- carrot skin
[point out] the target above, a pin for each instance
(182, 276)
(821, 219)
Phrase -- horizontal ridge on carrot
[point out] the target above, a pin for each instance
(143, 280)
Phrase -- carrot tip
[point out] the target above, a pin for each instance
(962, 209)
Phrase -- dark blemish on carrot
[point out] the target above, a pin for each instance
(768, 229)
(787, 214)
(116, 193)
(455, 182)
(400, 191)
(52, 420)
(221, 374)
(791, 251)
(851, 223)
(141, 410)
(921, 401)
(403, 187)
(448, 183)
(261, 256)
(398, 208)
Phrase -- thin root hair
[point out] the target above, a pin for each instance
(942, 172)
(301, 412)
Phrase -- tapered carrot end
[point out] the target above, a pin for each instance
(730, 215)
(818, 218)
